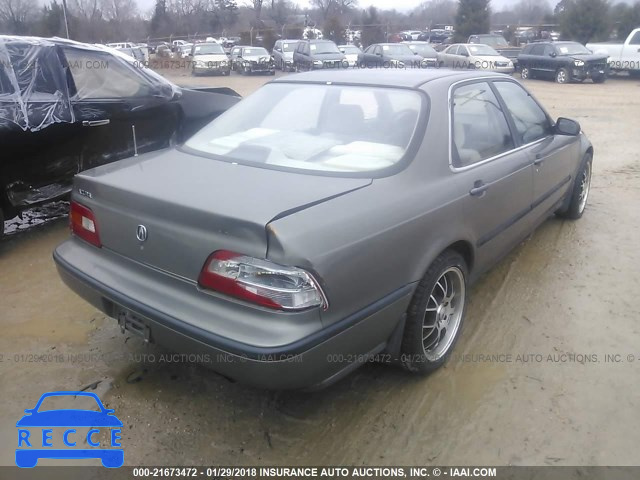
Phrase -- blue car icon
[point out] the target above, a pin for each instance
(27, 455)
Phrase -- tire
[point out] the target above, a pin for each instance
(1, 224)
(634, 74)
(563, 76)
(580, 192)
(438, 303)
(600, 79)
(525, 73)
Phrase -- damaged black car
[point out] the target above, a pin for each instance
(67, 106)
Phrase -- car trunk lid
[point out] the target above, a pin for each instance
(191, 206)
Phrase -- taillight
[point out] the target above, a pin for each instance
(83, 224)
(261, 282)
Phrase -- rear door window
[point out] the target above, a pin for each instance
(480, 129)
(537, 50)
(102, 76)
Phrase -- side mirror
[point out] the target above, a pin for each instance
(566, 126)
(465, 54)
(553, 54)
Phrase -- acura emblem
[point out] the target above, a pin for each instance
(141, 233)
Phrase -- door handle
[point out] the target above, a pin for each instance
(95, 123)
(479, 187)
(539, 160)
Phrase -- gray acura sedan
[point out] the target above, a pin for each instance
(330, 218)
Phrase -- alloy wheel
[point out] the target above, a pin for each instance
(585, 186)
(443, 314)
(561, 76)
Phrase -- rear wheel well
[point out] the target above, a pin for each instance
(465, 249)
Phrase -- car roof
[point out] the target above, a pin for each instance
(409, 78)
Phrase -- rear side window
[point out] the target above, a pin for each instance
(480, 129)
(531, 122)
(635, 40)
(537, 50)
(99, 76)
(548, 50)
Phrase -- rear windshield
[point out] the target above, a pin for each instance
(423, 49)
(254, 51)
(397, 49)
(495, 42)
(572, 49)
(349, 49)
(484, 50)
(330, 128)
(211, 49)
(324, 47)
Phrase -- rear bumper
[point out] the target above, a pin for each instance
(316, 358)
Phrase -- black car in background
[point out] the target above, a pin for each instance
(437, 36)
(562, 61)
(66, 107)
(426, 51)
(317, 54)
(389, 55)
(246, 60)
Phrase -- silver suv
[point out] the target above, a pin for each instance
(283, 54)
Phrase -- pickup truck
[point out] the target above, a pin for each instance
(622, 56)
(499, 44)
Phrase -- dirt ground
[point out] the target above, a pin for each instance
(530, 382)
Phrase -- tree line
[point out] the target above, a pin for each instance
(122, 20)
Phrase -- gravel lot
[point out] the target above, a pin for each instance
(549, 313)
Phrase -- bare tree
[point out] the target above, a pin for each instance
(345, 5)
(16, 13)
(257, 7)
(86, 9)
(119, 10)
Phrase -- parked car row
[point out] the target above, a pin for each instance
(563, 61)
(435, 36)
